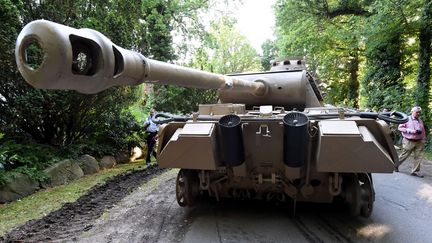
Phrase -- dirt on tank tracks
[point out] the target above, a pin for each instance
(72, 219)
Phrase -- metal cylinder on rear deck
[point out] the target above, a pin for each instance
(296, 138)
(231, 140)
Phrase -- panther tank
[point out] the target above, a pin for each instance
(268, 138)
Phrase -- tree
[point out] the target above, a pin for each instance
(424, 56)
(60, 118)
(9, 26)
(186, 23)
(230, 51)
(223, 51)
(55, 117)
(347, 41)
(270, 52)
(328, 35)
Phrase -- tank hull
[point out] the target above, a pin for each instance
(339, 154)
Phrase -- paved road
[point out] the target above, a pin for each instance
(402, 213)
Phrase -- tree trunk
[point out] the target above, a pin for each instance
(353, 85)
(424, 55)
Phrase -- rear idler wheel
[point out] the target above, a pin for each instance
(187, 187)
(367, 194)
(359, 194)
(352, 194)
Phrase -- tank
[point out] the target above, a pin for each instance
(268, 138)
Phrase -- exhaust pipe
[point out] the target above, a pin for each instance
(296, 139)
(231, 140)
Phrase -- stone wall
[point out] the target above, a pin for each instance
(60, 173)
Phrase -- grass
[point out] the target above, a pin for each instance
(45, 201)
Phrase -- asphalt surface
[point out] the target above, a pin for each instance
(402, 213)
(150, 213)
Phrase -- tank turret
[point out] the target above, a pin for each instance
(268, 138)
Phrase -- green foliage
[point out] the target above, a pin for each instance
(424, 53)
(383, 83)
(97, 150)
(116, 132)
(161, 14)
(13, 155)
(366, 46)
(158, 37)
(228, 50)
(60, 118)
(121, 131)
(181, 100)
(330, 43)
(270, 53)
(68, 123)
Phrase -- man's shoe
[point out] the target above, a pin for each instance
(415, 174)
(396, 169)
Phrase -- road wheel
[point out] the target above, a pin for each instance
(187, 187)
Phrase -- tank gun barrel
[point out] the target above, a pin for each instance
(54, 56)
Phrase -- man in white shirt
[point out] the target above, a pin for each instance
(152, 131)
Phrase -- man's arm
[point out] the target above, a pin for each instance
(147, 123)
(403, 128)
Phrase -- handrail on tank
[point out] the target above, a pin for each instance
(88, 62)
(395, 117)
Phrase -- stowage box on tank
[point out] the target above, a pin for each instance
(268, 138)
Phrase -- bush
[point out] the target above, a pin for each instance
(27, 158)
(116, 133)
(14, 155)
(96, 150)
(121, 132)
